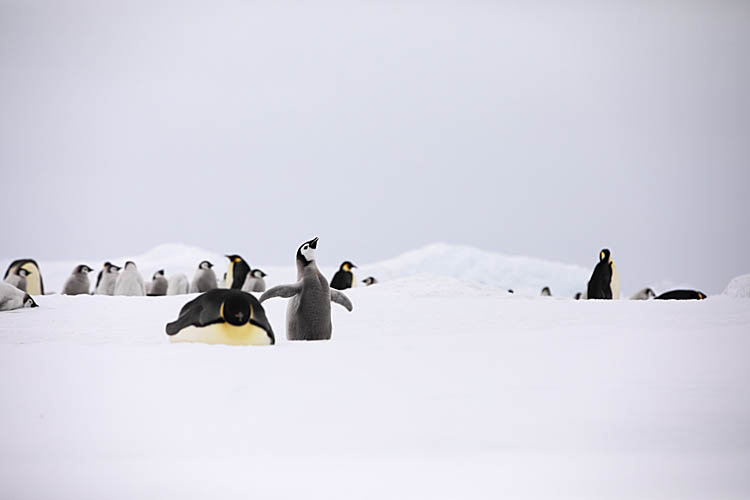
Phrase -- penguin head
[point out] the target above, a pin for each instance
(22, 272)
(130, 265)
(546, 292)
(369, 281)
(257, 273)
(111, 268)
(604, 255)
(650, 293)
(205, 265)
(28, 301)
(157, 274)
(235, 310)
(347, 266)
(235, 258)
(83, 268)
(306, 251)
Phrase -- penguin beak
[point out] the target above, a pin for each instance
(314, 243)
(353, 266)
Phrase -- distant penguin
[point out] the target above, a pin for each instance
(236, 272)
(546, 292)
(605, 281)
(682, 295)
(178, 285)
(308, 315)
(13, 298)
(255, 282)
(344, 277)
(644, 294)
(130, 281)
(222, 316)
(578, 296)
(369, 281)
(18, 279)
(106, 280)
(78, 282)
(159, 284)
(34, 282)
(204, 279)
(510, 290)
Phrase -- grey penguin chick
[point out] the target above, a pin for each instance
(254, 281)
(546, 292)
(13, 298)
(130, 281)
(78, 282)
(18, 278)
(159, 284)
(204, 279)
(106, 279)
(308, 315)
(644, 294)
(178, 285)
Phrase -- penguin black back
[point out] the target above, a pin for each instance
(599, 286)
(344, 277)
(239, 269)
(682, 295)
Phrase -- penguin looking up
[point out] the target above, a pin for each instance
(204, 279)
(255, 282)
(78, 282)
(308, 314)
(13, 298)
(236, 272)
(178, 285)
(605, 281)
(130, 281)
(159, 284)
(546, 292)
(369, 281)
(18, 279)
(34, 282)
(106, 280)
(644, 294)
(344, 277)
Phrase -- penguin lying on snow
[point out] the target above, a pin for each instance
(34, 282)
(178, 285)
(369, 281)
(308, 315)
(605, 281)
(106, 280)
(682, 295)
(130, 281)
(18, 279)
(255, 282)
(644, 294)
(222, 316)
(78, 282)
(236, 272)
(344, 277)
(159, 284)
(13, 298)
(204, 279)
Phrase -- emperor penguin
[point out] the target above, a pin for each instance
(159, 284)
(344, 277)
(130, 281)
(644, 294)
(236, 272)
(578, 296)
(106, 280)
(682, 295)
(605, 281)
(178, 285)
(18, 279)
(308, 315)
(78, 282)
(222, 316)
(204, 279)
(546, 292)
(13, 298)
(255, 282)
(369, 281)
(34, 282)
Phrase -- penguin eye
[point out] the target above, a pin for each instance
(306, 247)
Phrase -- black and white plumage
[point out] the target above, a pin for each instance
(344, 277)
(236, 272)
(204, 279)
(34, 282)
(369, 281)
(546, 292)
(130, 281)
(643, 294)
(12, 298)
(308, 314)
(605, 281)
(107, 279)
(78, 282)
(159, 284)
(682, 295)
(254, 281)
(18, 279)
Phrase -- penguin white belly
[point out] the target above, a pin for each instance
(615, 283)
(230, 275)
(223, 333)
(33, 282)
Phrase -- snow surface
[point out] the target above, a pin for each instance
(433, 387)
(739, 287)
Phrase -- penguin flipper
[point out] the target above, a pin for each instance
(284, 291)
(341, 300)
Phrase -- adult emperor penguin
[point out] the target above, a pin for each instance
(344, 277)
(682, 295)
(159, 284)
(178, 285)
(308, 315)
(644, 294)
(78, 282)
(130, 281)
(605, 281)
(255, 282)
(13, 298)
(34, 282)
(222, 316)
(18, 279)
(204, 279)
(546, 292)
(236, 272)
(369, 281)
(106, 279)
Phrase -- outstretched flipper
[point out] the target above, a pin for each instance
(284, 291)
(341, 299)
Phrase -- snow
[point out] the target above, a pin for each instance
(739, 287)
(433, 387)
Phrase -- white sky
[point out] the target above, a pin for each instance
(543, 129)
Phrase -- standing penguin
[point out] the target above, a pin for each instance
(159, 284)
(204, 279)
(106, 280)
(34, 282)
(13, 298)
(369, 281)
(308, 315)
(344, 277)
(78, 282)
(546, 292)
(130, 281)
(605, 281)
(18, 279)
(255, 282)
(236, 272)
(644, 294)
(178, 285)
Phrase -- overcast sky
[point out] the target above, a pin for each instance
(548, 130)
